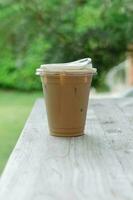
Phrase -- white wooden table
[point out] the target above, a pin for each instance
(96, 166)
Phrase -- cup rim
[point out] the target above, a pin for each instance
(42, 72)
(64, 73)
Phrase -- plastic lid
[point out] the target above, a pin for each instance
(79, 66)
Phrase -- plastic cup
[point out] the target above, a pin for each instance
(66, 97)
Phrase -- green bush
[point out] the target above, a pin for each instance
(39, 32)
(19, 72)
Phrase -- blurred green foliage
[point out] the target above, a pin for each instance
(37, 31)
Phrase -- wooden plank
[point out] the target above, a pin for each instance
(92, 166)
(126, 106)
(116, 121)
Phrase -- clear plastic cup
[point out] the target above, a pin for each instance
(66, 97)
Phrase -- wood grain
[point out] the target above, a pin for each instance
(96, 166)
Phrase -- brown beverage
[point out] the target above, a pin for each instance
(66, 97)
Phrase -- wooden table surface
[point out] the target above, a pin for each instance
(96, 166)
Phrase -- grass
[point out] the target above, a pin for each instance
(14, 110)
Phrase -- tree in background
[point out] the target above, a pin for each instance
(38, 31)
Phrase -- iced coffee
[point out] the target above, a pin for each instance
(66, 89)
